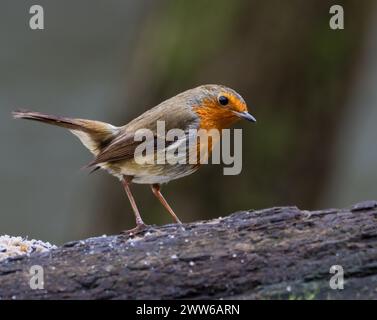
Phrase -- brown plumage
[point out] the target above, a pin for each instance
(205, 107)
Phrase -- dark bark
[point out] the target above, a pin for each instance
(273, 253)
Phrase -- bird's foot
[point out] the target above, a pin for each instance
(138, 230)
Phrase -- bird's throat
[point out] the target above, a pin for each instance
(215, 118)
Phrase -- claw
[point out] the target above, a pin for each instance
(140, 228)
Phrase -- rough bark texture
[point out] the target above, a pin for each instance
(274, 253)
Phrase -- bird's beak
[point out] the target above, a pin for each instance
(245, 115)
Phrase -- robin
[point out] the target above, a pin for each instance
(205, 107)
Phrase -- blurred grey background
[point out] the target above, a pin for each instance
(312, 89)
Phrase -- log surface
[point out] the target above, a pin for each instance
(276, 253)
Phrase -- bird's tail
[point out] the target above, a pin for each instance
(93, 134)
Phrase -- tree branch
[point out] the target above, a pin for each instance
(273, 253)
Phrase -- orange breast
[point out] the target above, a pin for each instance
(212, 117)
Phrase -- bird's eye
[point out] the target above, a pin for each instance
(223, 100)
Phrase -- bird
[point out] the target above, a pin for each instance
(205, 107)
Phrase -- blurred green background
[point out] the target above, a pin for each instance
(312, 89)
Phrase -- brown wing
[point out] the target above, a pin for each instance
(174, 112)
(121, 148)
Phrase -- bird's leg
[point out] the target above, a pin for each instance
(159, 196)
(140, 225)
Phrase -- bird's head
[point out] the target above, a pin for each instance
(218, 107)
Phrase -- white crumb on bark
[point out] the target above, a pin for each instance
(15, 246)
